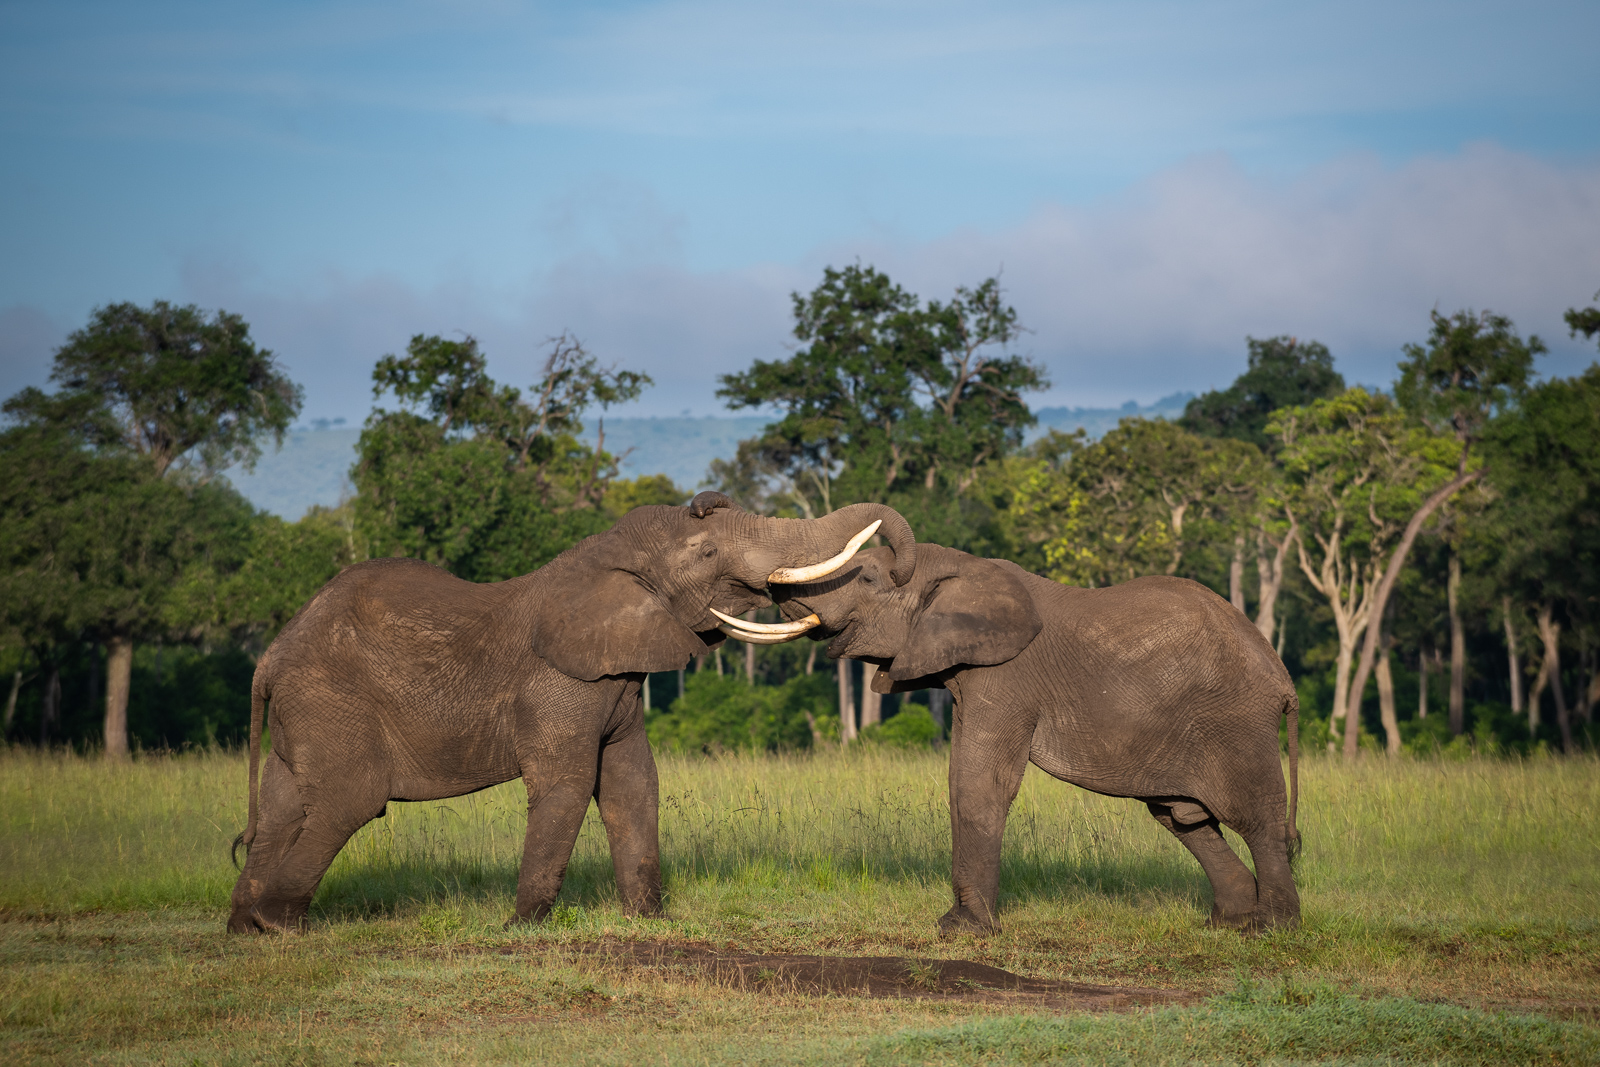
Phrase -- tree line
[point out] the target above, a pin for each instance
(1445, 529)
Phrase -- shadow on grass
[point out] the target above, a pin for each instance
(388, 890)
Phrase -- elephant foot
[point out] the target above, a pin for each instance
(256, 921)
(963, 920)
(1244, 922)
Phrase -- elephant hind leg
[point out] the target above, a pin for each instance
(1278, 902)
(285, 897)
(282, 812)
(1233, 887)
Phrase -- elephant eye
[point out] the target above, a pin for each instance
(711, 550)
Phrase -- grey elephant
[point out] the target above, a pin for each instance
(1156, 689)
(398, 681)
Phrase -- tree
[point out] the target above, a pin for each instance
(889, 401)
(1354, 469)
(169, 384)
(1473, 368)
(473, 476)
(1543, 463)
(1141, 500)
(165, 391)
(1584, 320)
(1283, 372)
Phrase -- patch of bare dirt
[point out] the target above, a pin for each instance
(868, 976)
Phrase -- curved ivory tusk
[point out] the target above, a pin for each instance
(768, 628)
(796, 575)
(759, 639)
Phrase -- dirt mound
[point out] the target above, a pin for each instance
(870, 976)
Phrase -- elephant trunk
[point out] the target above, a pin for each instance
(807, 541)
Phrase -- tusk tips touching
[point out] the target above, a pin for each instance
(765, 628)
(760, 639)
(797, 575)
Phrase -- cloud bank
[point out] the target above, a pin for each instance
(1135, 296)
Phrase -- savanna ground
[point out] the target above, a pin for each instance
(1450, 916)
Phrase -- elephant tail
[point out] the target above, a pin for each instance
(260, 693)
(1291, 708)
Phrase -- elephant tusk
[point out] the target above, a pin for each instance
(797, 575)
(759, 639)
(767, 628)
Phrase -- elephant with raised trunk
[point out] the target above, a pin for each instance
(1156, 689)
(398, 681)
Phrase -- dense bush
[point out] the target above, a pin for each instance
(724, 712)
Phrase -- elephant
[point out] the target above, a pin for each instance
(398, 681)
(1156, 689)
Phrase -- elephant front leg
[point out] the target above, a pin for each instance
(985, 773)
(557, 803)
(628, 795)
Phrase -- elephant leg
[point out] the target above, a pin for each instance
(329, 822)
(987, 760)
(1277, 900)
(280, 812)
(1233, 887)
(628, 795)
(558, 799)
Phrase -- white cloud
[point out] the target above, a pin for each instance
(1138, 296)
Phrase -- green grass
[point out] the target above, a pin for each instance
(1449, 916)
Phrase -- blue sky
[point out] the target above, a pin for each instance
(1154, 181)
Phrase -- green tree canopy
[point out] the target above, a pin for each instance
(1283, 372)
(478, 477)
(169, 383)
(890, 400)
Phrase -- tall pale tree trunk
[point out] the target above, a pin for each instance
(680, 683)
(119, 677)
(1391, 574)
(1391, 722)
(871, 702)
(1236, 575)
(11, 704)
(1269, 568)
(1511, 655)
(811, 658)
(1550, 632)
(1458, 649)
(750, 654)
(938, 704)
(51, 708)
(1536, 696)
(1422, 683)
(1349, 599)
(1586, 679)
(847, 704)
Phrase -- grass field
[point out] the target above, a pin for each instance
(1450, 916)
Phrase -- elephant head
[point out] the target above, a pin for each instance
(652, 591)
(955, 610)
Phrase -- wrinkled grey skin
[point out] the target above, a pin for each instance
(400, 682)
(1156, 689)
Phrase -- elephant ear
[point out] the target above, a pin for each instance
(600, 620)
(978, 615)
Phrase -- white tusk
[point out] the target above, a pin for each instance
(759, 639)
(767, 628)
(796, 575)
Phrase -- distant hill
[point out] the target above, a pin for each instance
(1096, 421)
(314, 465)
